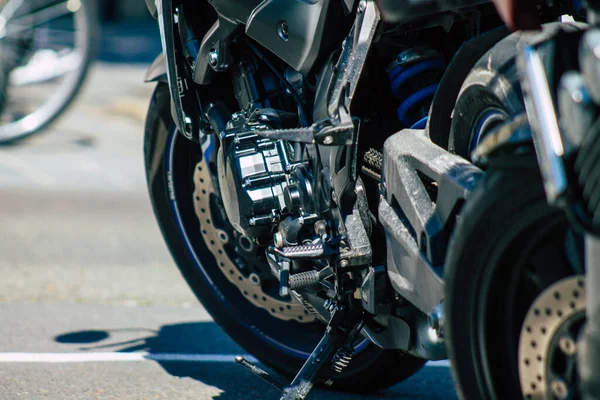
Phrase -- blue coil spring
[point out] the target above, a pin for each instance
(402, 78)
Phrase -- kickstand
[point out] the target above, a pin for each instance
(343, 326)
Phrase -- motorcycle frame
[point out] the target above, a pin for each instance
(417, 230)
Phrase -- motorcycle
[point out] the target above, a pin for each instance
(46, 48)
(353, 188)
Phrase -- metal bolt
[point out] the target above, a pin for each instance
(328, 139)
(559, 388)
(321, 230)
(433, 320)
(213, 58)
(567, 345)
(254, 279)
(283, 30)
(344, 263)
(362, 6)
(278, 239)
(436, 320)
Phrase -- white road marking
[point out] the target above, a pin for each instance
(137, 356)
(115, 357)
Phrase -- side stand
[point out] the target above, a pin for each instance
(342, 329)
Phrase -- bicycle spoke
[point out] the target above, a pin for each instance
(40, 17)
(8, 11)
(51, 42)
(33, 73)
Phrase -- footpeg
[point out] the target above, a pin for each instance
(310, 251)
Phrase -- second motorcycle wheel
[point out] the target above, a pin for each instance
(509, 246)
(510, 252)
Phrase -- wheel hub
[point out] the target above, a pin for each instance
(547, 349)
(216, 239)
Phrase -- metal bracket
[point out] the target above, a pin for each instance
(544, 123)
(323, 132)
(352, 60)
(415, 339)
(213, 54)
(186, 108)
(424, 187)
(338, 128)
(360, 252)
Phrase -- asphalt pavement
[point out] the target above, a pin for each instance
(91, 304)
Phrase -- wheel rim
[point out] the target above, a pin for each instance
(245, 274)
(290, 337)
(547, 349)
(508, 289)
(49, 73)
(486, 121)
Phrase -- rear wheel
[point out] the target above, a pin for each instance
(228, 273)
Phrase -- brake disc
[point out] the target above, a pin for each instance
(216, 239)
(547, 347)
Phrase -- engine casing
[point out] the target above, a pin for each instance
(254, 179)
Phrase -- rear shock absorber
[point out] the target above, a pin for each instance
(415, 75)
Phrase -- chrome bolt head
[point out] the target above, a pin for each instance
(328, 140)
(278, 239)
(435, 319)
(213, 58)
(362, 6)
(559, 388)
(283, 30)
(567, 345)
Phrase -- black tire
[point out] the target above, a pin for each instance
(89, 23)
(251, 327)
(493, 86)
(505, 221)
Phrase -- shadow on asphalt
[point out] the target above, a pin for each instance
(432, 383)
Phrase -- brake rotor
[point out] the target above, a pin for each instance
(216, 239)
(547, 347)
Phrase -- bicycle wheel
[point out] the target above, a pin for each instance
(46, 47)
